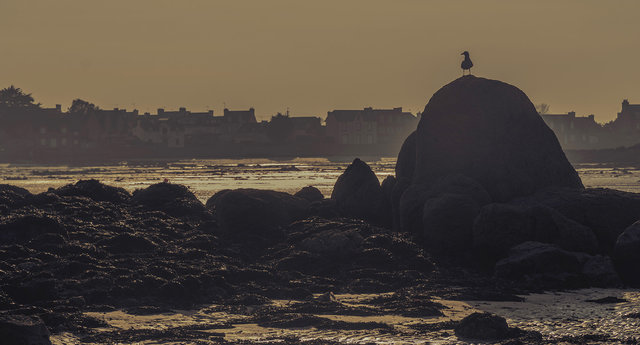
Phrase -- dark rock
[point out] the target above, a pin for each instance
(491, 132)
(94, 190)
(23, 330)
(396, 197)
(406, 162)
(627, 254)
(482, 326)
(538, 260)
(325, 208)
(405, 165)
(173, 199)
(599, 270)
(462, 185)
(386, 209)
(410, 208)
(310, 194)
(499, 227)
(550, 226)
(448, 223)
(607, 212)
(357, 192)
(14, 189)
(13, 196)
(259, 212)
(25, 228)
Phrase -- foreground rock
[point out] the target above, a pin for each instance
(489, 327)
(357, 192)
(23, 330)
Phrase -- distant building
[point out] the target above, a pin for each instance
(160, 132)
(626, 126)
(370, 126)
(575, 132)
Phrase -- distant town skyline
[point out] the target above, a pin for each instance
(312, 57)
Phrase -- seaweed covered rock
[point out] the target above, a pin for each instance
(357, 192)
(23, 330)
(12, 196)
(310, 193)
(491, 132)
(94, 190)
(25, 228)
(173, 199)
(255, 211)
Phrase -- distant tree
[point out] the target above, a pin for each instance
(542, 108)
(79, 106)
(280, 128)
(14, 97)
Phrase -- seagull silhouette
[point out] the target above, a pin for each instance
(466, 63)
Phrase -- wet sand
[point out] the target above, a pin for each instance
(556, 315)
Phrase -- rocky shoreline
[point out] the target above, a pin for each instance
(488, 222)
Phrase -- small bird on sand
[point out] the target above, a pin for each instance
(466, 63)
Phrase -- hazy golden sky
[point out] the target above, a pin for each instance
(314, 56)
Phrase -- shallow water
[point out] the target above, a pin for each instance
(206, 177)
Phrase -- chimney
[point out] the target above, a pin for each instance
(59, 108)
(183, 109)
(160, 111)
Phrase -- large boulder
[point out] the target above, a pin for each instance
(627, 254)
(491, 132)
(256, 212)
(357, 192)
(23, 330)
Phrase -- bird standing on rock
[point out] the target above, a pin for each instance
(466, 63)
